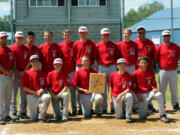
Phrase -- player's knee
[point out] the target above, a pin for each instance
(129, 96)
(47, 97)
(99, 98)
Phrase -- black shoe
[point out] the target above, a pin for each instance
(64, 120)
(14, 117)
(176, 107)
(23, 116)
(151, 108)
(92, 111)
(79, 112)
(98, 114)
(74, 113)
(112, 111)
(45, 120)
(104, 111)
(2, 122)
(164, 119)
(8, 119)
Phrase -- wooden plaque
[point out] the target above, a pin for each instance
(97, 83)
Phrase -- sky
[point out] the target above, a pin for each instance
(5, 6)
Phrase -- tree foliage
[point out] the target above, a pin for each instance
(133, 16)
(5, 23)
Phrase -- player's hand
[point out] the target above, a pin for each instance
(155, 90)
(110, 102)
(118, 98)
(39, 92)
(140, 98)
(87, 91)
(10, 73)
(21, 74)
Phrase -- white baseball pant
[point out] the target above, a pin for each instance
(23, 97)
(107, 70)
(86, 103)
(127, 101)
(33, 102)
(5, 95)
(56, 107)
(172, 78)
(147, 98)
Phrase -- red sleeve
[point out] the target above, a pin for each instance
(134, 83)
(111, 80)
(154, 84)
(74, 51)
(118, 53)
(25, 80)
(67, 81)
(48, 80)
(130, 83)
(156, 54)
(75, 79)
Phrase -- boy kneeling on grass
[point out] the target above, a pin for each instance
(120, 85)
(34, 85)
(58, 84)
(146, 89)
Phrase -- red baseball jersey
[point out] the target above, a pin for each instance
(143, 81)
(34, 80)
(146, 48)
(67, 56)
(6, 58)
(22, 55)
(167, 56)
(49, 52)
(57, 81)
(119, 83)
(84, 49)
(129, 51)
(107, 53)
(81, 78)
(35, 50)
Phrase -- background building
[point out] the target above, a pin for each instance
(57, 15)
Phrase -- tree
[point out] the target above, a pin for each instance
(133, 16)
(5, 23)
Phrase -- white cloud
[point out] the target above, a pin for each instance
(4, 6)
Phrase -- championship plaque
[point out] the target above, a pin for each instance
(97, 83)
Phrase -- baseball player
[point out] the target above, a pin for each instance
(7, 60)
(81, 83)
(120, 84)
(167, 55)
(129, 51)
(146, 89)
(34, 85)
(22, 55)
(83, 47)
(34, 49)
(50, 51)
(58, 83)
(146, 48)
(107, 53)
(69, 64)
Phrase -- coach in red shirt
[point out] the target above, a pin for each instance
(34, 84)
(34, 49)
(7, 65)
(146, 89)
(22, 55)
(107, 53)
(120, 84)
(81, 83)
(66, 48)
(50, 51)
(167, 55)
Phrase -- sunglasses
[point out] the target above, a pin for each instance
(141, 32)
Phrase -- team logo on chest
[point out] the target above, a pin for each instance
(173, 53)
(25, 55)
(10, 55)
(148, 80)
(61, 83)
(54, 53)
(71, 51)
(132, 51)
(148, 48)
(124, 84)
(42, 81)
(88, 49)
(111, 51)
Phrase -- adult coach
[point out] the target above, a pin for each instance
(50, 51)
(81, 83)
(167, 55)
(22, 55)
(66, 48)
(7, 60)
(107, 53)
(146, 48)
(34, 84)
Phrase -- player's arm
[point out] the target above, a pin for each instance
(118, 98)
(82, 90)
(64, 90)
(110, 101)
(36, 93)
(6, 71)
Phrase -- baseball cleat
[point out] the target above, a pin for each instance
(128, 120)
(2, 122)
(164, 119)
(176, 107)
